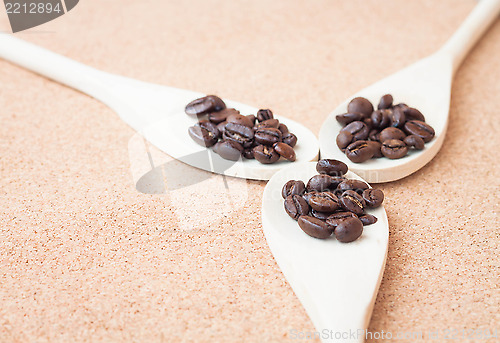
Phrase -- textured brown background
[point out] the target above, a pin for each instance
(84, 256)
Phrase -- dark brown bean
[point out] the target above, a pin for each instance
(204, 133)
(268, 136)
(290, 139)
(248, 153)
(344, 138)
(264, 114)
(324, 202)
(285, 151)
(373, 197)
(421, 129)
(348, 230)
(309, 194)
(368, 219)
(353, 185)
(376, 146)
(331, 167)
(252, 118)
(265, 154)
(221, 126)
(293, 187)
(374, 135)
(385, 102)
(334, 219)
(229, 150)
(394, 149)
(319, 183)
(415, 142)
(358, 129)
(352, 201)
(315, 227)
(359, 151)
(272, 123)
(381, 119)
(320, 215)
(391, 133)
(296, 206)
(204, 105)
(398, 118)
(239, 133)
(239, 119)
(283, 128)
(220, 116)
(413, 114)
(361, 105)
(348, 118)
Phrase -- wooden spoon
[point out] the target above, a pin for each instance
(155, 111)
(425, 85)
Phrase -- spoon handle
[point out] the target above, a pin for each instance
(474, 26)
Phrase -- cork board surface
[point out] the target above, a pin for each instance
(96, 247)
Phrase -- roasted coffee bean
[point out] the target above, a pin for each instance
(413, 114)
(283, 128)
(348, 118)
(307, 196)
(391, 133)
(285, 151)
(229, 150)
(397, 117)
(336, 181)
(376, 146)
(324, 202)
(220, 116)
(334, 219)
(381, 119)
(296, 206)
(331, 167)
(368, 122)
(353, 185)
(204, 133)
(252, 118)
(358, 129)
(353, 202)
(270, 123)
(239, 119)
(221, 126)
(374, 135)
(239, 133)
(320, 215)
(385, 102)
(349, 230)
(264, 115)
(415, 142)
(359, 151)
(268, 136)
(344, 138)
(373, 197)
(421, 129)
(248, 153)
(401, 105)
(314, 227)
(368, 219)
(207, 104)
(319, 183)
(293, 187)
(394, 149)
(361, 105)
(265, 154)
(290, 139)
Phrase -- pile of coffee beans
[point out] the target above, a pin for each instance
(389, 131)
(232, 135)
(330, 203)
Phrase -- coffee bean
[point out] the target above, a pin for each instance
(270, 123)
(344, 138)
(221, 126)
(375, 146)
(368, 122)
(293, 187)
(358, 129)
(290, 139)
(413, 114)
(252, 118)
(264, 115)
(368, 219)
(314, 227)
(374, 135)
(229, 150)
(394, 148)
(353, 185)
(334, 219)
(359, 151)
(309, 194)
(204, 133)
(373, 197)
(319, 183)
(320, 215)
(268, 136)
(348, 118)
(296, 206)
(415, 142)
(248, 153)
(285, 151)
(239, 119)
(385, 102)
(391, 133)
(283, 128)
(324, 202)
(348, 230)
(401, 105)
(361, 105)
(265, 154)
(220, 116)
(331, 167)
(336, 181)
(207, 104)
(397, 117)
(239, 133)
(353, 202)
(421, 129)
(381, 118)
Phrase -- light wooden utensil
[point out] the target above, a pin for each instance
(425, 85)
